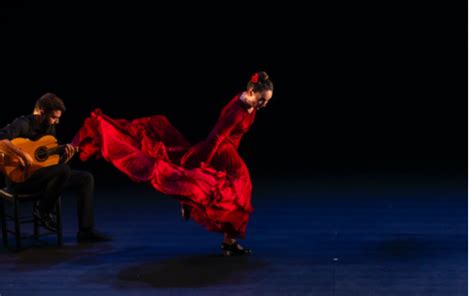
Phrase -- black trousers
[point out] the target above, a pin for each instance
(53, 181)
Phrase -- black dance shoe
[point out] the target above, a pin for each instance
(234, 250)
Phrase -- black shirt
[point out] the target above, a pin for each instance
(26, 127)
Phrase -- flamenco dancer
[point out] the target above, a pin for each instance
(209, 179)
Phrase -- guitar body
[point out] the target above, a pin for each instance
(44, 152)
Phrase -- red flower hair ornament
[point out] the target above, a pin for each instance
(254, 78)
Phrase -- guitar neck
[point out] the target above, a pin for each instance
(60, 150)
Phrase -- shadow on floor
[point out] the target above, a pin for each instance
(45, 256)
(193, 271)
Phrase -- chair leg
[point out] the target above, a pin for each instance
(4, 223)
(17, 224)
(59, 222)
(36, 222)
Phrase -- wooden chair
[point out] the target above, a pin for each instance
(17, 200)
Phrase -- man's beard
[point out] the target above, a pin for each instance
(44, 124)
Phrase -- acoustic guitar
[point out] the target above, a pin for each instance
(45, 152)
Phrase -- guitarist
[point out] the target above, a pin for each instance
(52, 179)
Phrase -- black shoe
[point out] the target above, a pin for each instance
(185, 211)
(234, 250)
(91, 236)
(46, 220)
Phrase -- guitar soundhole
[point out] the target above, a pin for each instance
(41, 154)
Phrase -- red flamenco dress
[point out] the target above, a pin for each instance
(210, 176)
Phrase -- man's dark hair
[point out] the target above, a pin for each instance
(50, 102)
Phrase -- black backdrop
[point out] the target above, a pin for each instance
(359, 88)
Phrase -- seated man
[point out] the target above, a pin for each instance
(51, 179)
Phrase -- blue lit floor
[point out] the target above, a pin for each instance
(314, 237)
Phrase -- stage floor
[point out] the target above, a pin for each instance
(309, 237)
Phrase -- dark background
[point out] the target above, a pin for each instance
(360, 89)
(370, 99)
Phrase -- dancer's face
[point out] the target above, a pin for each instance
(258, 99)
(263, 98)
